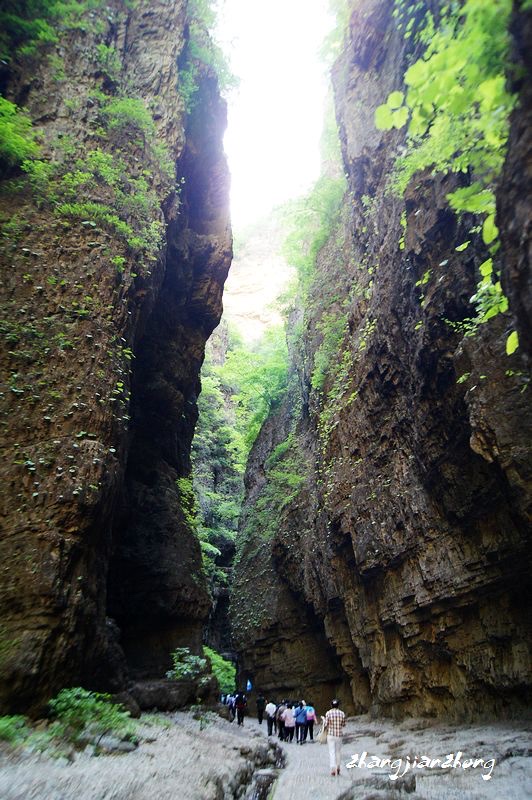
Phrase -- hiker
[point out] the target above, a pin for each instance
(240, 705)
(270, 709)
(289, 722)
(334, 723)
(231, 707)
(261, 705)
(300, 715)
(311, 719)
(281, 708)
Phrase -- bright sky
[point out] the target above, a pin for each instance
(276, 115)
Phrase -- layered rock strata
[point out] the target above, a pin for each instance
(103, 339)
(408, 545)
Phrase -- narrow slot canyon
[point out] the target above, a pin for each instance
(265, 403)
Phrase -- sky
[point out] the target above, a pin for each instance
(275, 116)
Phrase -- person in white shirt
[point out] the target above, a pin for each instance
(270, 710)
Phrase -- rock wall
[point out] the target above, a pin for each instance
(102, 343)
(408, 546)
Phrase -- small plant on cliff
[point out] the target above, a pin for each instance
(187, 501)
(78, 710)
(17, 136)
(187, 666)
(223, 670)
(334, 327)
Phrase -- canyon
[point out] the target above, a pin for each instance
(383, 550)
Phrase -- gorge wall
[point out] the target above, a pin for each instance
(115, 248)
(395, 572)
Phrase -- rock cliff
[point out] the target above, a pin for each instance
(115, 248)
(398, 572)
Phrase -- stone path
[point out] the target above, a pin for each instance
(307, 776)
(181, 760)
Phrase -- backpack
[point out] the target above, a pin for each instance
(311, 714)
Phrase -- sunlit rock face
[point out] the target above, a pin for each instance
(102, 574)
(407, 551)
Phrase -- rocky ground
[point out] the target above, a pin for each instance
(218, 761)
(179, 757)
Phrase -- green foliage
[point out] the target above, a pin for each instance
(223, 670)
(14, 729)
(128, 115)
(78, 710)
(106, 186)
(132, 208)
(456, 103)
(237, 396)
(286, 473)
(512, 343)
(258, 377)
(311, 220)
(109, 62)
(218, 466)
(333, 327)
(127, 122)
(456, 108)
(202, 49)
(186, 665)
(187, 500)
(26, 26)
(17, 136)
(332, 44)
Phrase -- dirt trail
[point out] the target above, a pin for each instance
(184, 762)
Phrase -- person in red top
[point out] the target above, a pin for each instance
(334, 723)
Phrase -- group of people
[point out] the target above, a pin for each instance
(293, 721)
(237, 704)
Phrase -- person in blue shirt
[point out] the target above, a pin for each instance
(300, 714)
(311, 719)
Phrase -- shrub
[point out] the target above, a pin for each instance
(78, 710)
(186, 665)
(128, 114)
(223, 670)
(109, 62)
(13, 729)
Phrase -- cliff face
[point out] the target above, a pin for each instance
(106, 319)
(407, 546)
